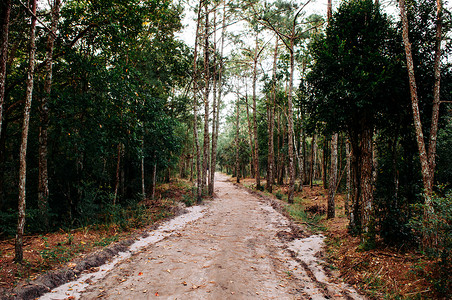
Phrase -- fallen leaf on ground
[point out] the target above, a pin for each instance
(141, 273)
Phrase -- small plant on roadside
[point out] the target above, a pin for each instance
(279, 195)
(436, 227)
(189, 200)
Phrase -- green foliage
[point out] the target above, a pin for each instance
(435, 228)
(279, 195)
(189, 199)
(444, 151)
(116, 73)
(357, 76)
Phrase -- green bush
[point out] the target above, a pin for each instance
(279, 195)
(435, 227)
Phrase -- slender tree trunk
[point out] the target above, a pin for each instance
(311, 169)
(23, 146)
(213, 154)
(143, 189)
(250, 132)
(256, 146)
(425, 167)
(329, 11)
(355, 214)
(314, 159)
(43, 180)
(192, 162)
(205, 159)
(237, 146)
(278, 147)
(290, 126)
(427, 159)
(333, 178)
(195, 109)
(366, 184)
(324, 162)
(282, 154)
(5, 17)
(154, 178)
(436, 94)
(118, 170)
(348, 180)
(271, 124)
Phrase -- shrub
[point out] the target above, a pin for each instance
(435, 227)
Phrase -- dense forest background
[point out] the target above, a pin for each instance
(100, 102)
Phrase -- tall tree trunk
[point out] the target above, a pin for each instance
(271, 124)
(436, 94)
(290, 126)
(427, 159)
(213, 154)
(311, 169)
(206, 145)
(117, 177)
(154, 178)
(43, 180)
(348, 180)
(333, 177)
(219, 83)
(329, 11)
(282, 154)
(250, 133)
(333, 166)
(366, 185)
(324, 162)
(237, 146)
(278, 145)
(423, 156)
(143, 188)
(256, 146)
(23, 146)
(5, 17)
(355, 214)
(195, 109)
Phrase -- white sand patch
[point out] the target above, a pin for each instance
(74, 288)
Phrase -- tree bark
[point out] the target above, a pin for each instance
(425, 167)
(206, 145)
(250, 133)
(23, 146)
(256, 146)
(5, 17)
(436, 94)
(143, 189)
(311, 169)
(290, 197)
(333, 177)
(117, 177)
(213, 154)
(348, 180)
(329, 11)
(154, 179)
(195, 109)
(271, 124)
(366, 184)
(43, 180)
(237, 127)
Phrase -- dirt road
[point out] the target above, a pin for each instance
(234, 247)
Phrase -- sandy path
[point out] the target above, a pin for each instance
(227, 249)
